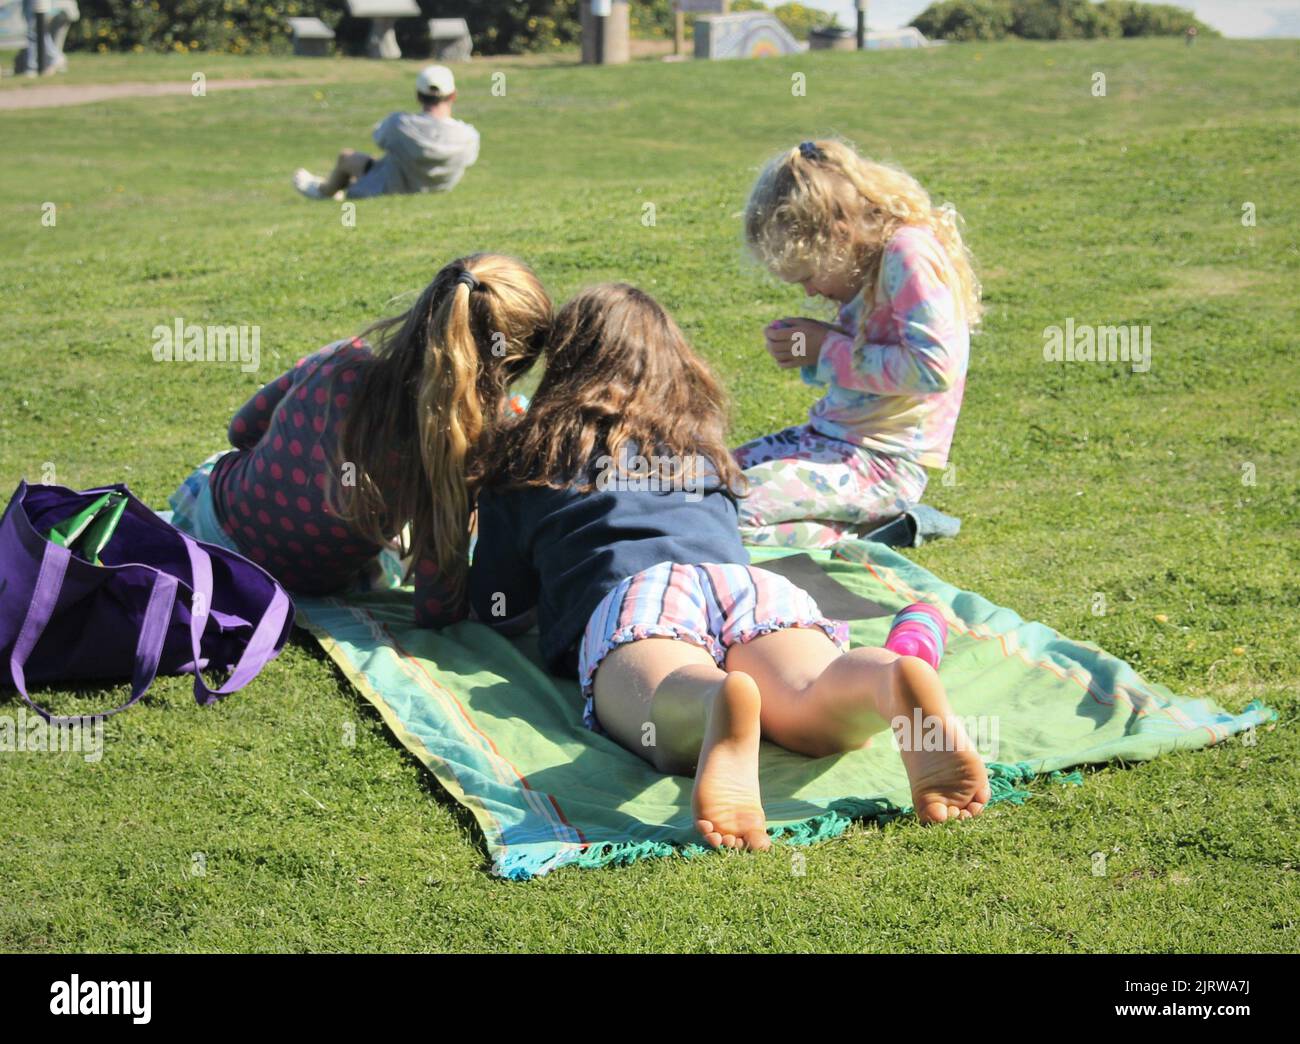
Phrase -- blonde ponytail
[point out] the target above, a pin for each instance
(450, 419)
(476, 328)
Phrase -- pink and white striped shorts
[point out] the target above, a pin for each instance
(712, 606)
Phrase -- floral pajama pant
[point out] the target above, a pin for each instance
(809, 490)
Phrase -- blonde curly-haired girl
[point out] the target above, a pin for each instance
(866, 236)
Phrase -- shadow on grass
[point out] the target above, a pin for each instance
(302, 640)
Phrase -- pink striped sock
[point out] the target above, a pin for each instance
(919, 630)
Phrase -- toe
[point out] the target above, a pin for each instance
(934, 812)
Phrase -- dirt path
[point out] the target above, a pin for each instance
(57, 95)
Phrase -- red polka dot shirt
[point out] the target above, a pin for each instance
(270, 495)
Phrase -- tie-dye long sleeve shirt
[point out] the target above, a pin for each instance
(898, 388)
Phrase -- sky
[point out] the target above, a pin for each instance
(1230, 17)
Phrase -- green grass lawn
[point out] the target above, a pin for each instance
(1072, 480)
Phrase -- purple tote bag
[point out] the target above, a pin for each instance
(159, 602)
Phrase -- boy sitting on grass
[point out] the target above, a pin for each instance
(426, 151)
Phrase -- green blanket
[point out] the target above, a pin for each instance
(506, 739)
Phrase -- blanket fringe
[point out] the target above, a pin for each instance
(1005, 779)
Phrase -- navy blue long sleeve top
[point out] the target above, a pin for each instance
(560, 551)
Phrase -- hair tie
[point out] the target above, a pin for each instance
(467, 277)
(809, 150)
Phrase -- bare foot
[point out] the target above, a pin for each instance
(726, 803)
(947, 777)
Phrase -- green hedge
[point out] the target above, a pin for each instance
(243, 27)
(1053, 19)
(232, 26)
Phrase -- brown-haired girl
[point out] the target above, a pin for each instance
(609, 510)
(358, 452)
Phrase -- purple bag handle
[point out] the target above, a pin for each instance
(45, 596)
(261, 646)
(153, 630)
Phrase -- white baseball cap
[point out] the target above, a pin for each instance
(435, 79)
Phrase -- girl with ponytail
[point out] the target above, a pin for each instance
(355, 467)
(867, 237)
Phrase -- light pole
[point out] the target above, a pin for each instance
(41, 10)
(600, 10)
(861, 5)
